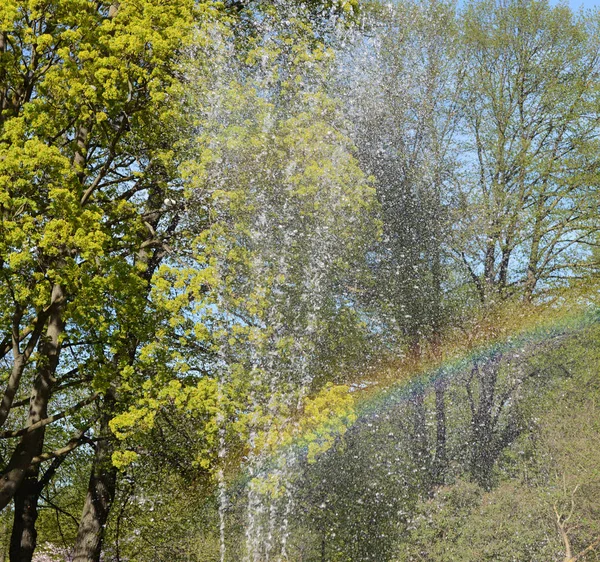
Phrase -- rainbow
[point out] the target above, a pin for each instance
(376, 398)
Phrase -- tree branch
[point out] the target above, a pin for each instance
(49, 419)
(60, 454)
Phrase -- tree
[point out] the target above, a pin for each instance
(530, 110)
(404, 111)
(290, 226)
(95, 229)
(86, 219)
(405, 115)
(283, 217)
(547, 480)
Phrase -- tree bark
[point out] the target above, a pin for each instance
(100, 494)
(23, 539)
(22, 476)
(19, 360)
(441, 457)
(32, 442)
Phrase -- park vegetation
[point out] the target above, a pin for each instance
(227, 226)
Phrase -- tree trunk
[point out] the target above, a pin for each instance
(420, 441)
(100, 494)
(489, 275)
(440, 461)
(504, 267)
(23, 539)
(441, 458)
(483, 427)
(32, 442)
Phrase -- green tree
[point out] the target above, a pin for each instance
(405, 94)
(88, 210)
(528, 199)
(405, 120)
(291, 219)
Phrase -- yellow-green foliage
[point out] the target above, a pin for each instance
(198, 403)
(322, 418)
(100, 135)
(326, 417)
(91, 136)
(83, 91)
(286, 202)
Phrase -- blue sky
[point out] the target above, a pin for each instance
(576, 4)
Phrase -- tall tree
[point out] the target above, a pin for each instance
(88, 210)
(404, 109)
(531, 116)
